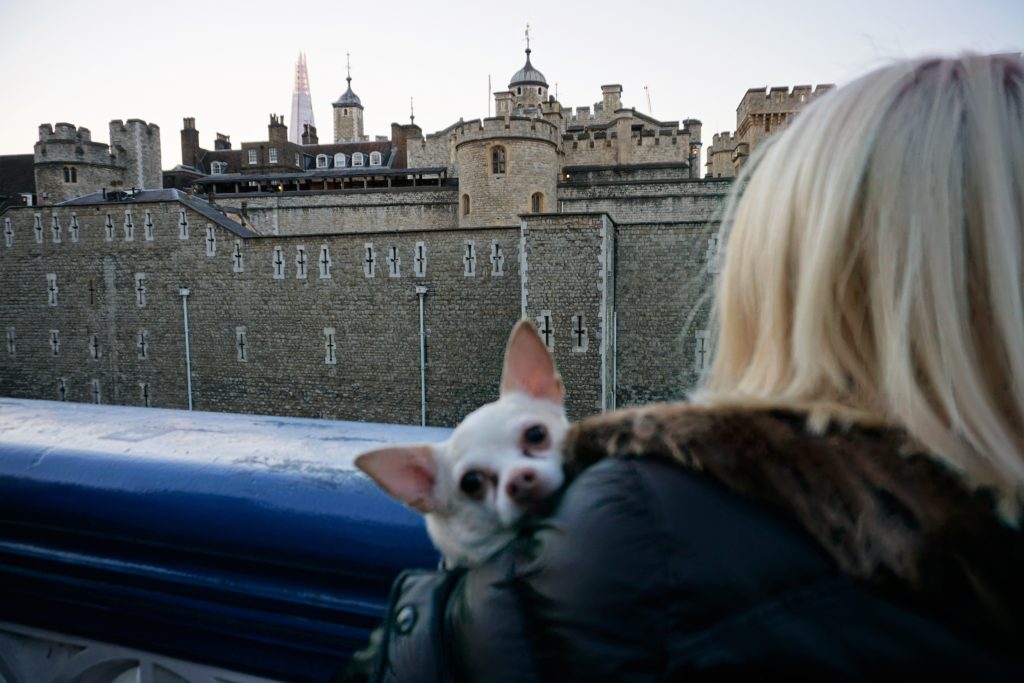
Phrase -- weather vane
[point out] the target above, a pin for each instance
(527, 37)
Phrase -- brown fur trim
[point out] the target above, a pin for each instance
(898, 519)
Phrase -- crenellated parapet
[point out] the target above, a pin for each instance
(68, 163)
(779, 99)
(511, 127)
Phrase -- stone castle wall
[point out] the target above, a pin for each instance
(633, 287)
(352, 210)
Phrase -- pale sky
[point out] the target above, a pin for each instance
(231, 64)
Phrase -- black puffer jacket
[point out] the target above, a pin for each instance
(652, 571)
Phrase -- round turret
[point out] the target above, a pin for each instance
(349, 98)
(506, 167)
(529, 88)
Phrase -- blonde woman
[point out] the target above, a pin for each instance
(842, 500)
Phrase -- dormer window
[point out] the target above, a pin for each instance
(498, 160)
(357, 159)
(252, 157)
(273, 155)
(339, 160)
(217, 167)
(375, 158)
(321, 161)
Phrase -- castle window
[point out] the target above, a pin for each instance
(94, 348)
(252, 157)
(546, 329)
(300, 262)
(465, 205)
(330, 347)
(539, 91)
(56, 229)
(579, 334)
(129, 227)
(324, 262)
(519, 90)
(702, 351)
(368, 259)
(147, 226)
(9, 232)
(142, 344)
(278, 263)
(713, 254)
(140, 289)
(70, 174)
(241, 345)
(394, 262)
(62, 389)
(358, 159)
(344, 112)
(469, 259)
(182, 226)
(497, 259)
(108, 228)
(272, 155)
(38, 227)
(498, 159)
(73, 228)
(339, 160)
(11, 346)
(211, 241)
(321, 161)
(144, 393)
(51, 289)
(420, 260)
(55, 342)
(217, 167)
(96, 391)
(237, 264)
(375, 158)
(537, 202)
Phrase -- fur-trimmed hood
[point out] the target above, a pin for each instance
(885, 512)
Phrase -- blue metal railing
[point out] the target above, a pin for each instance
(243, 542)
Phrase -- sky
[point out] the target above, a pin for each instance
(230, 64)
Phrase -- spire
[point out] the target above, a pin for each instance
(302, 102)
(412, 112)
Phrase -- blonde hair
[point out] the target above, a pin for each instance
(874, 266)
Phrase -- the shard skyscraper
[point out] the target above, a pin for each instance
(302, 103)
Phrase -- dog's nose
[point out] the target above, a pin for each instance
(524, 485)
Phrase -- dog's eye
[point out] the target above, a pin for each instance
(535, 435)
(473, 484)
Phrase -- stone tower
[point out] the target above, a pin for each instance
(348, 114)
(508, 164)
(138, 144)
(302, 102)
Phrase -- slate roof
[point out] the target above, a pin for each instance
(214, 213)
(528, 75)
(17, 174)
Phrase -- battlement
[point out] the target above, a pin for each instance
(779, 98)
(724, 140)
(500, 127)
(117, 128)
(64, 132)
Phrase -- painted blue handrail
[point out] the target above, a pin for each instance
(244, 542)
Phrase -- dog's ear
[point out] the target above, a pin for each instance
(529, 367)
(407, 473)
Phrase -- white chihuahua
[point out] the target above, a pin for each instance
(500, 463)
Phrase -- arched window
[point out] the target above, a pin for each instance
(537, 202)
(217, 167)
(357, 159)
(321, 161)
(498, 160)
(70, 174)
(465, 205)
(339, 160)
(375, 158)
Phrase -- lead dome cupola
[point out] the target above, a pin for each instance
(528, 75)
